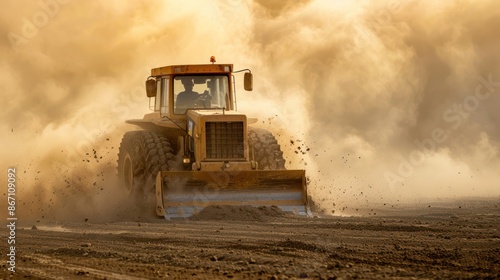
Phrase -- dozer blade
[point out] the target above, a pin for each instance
(184, 193)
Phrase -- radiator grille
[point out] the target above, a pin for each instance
(224, 140)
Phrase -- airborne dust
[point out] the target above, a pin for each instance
(381, 103)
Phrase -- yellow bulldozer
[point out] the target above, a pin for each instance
(196, 150)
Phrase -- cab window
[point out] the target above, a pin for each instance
(164, 95)
(158, 95)
(200, 91)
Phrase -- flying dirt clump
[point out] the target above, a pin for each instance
(240, 213)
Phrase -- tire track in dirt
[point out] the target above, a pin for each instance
(48, 267)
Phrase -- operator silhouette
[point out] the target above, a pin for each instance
(188, 97)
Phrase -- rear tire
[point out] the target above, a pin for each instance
(266, 149)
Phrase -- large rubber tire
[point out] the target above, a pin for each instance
(141, 156)
(267, 151)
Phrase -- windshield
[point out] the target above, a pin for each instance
(207, 91)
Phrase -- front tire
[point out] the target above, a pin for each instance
(141, 156)
(266, 149)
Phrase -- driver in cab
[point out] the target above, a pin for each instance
(188, 97)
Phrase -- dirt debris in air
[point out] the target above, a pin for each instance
(240, 213)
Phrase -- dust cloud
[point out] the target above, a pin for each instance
(399, 98)
(380, 102)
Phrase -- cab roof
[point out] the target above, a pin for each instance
(192, 69)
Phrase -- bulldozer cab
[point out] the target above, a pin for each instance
(181, 87)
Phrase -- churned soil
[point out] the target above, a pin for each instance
(459, 241)
(240, 213)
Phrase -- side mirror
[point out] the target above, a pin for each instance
(151, 87)
(248, 82)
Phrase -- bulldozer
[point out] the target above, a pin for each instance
(195, 150)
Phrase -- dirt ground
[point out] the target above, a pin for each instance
(459, 239)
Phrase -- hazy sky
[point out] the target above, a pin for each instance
(396, 100)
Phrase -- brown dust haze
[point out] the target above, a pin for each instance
(381, 103)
